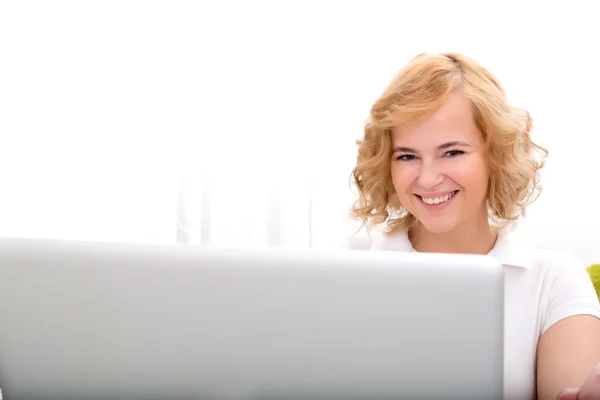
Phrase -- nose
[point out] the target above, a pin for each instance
(429, 176)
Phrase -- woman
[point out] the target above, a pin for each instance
(446, 165)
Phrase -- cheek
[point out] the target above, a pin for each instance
(403, 178)
(472, 176)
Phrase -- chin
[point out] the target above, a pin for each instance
(438, 227)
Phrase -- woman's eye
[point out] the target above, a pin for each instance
(454, 153)
(406, 157)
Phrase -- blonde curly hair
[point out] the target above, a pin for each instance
(417, 91)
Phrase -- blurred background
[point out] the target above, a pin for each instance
(231, 122)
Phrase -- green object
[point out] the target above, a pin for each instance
(594, 272)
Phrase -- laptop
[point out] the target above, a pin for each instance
(82, 320)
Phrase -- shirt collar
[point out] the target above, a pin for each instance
(510, 249)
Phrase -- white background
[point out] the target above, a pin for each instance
(235, 122)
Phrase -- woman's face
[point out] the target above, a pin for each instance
(439, 170)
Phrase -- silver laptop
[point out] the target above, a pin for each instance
(120, 321)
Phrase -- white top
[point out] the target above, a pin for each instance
(541, 288)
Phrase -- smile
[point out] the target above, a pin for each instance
(439, 199)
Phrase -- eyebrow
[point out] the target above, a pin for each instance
(440, 147)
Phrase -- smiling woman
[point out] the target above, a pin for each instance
(458, 108)
(446, 165)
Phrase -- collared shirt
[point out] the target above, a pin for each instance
(541, 288)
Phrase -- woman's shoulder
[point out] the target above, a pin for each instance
(397, 241)
(378, 240)
(553, 279)
(563, 285)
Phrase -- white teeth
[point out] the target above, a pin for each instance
(438, 200)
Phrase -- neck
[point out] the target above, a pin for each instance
(473, 238)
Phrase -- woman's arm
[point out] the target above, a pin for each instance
(569, 346)
(567, 353)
